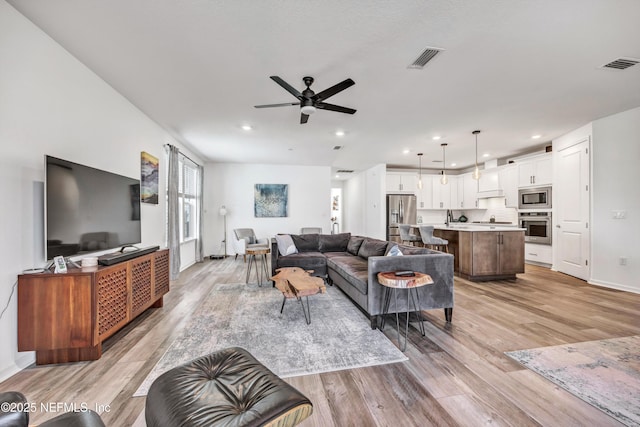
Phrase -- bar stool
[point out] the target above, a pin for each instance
(432, 242)
(406, 236)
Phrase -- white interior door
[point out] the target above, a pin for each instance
(571, 210)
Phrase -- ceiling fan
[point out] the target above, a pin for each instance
(309, 101)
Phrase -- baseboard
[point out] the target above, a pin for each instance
(611, 285)
(20, 363)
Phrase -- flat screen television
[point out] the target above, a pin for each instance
(88, 210)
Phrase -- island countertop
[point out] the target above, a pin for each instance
(474, 227)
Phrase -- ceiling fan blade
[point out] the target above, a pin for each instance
(334, 89)
(303, 118)
(287, 87)
(284, 104)
(331, 107)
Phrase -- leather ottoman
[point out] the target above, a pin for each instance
(230, 388)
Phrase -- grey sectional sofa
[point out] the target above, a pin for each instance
(353, 262)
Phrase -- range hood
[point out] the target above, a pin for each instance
(490, 194)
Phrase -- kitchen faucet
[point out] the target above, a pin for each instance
(449, 217)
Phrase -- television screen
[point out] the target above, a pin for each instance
(88, 209)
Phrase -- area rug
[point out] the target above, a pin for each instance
(339, 336)
(604, 373)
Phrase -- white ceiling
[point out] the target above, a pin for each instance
(511, 68)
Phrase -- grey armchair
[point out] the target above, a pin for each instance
(245, 238)
(311, 230)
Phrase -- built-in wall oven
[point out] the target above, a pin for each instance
(534, 198)
(537, 227)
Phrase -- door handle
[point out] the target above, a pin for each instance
(557, 225)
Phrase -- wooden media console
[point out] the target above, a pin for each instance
(66, 317)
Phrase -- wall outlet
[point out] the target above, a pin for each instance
(623, 260)
(619, 214)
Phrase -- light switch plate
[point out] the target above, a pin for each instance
(619, 214)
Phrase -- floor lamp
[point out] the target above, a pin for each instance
(223, 213)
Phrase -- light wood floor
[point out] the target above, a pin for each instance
(456, 375)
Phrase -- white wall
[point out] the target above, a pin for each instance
(616, 179)
(364, 203)
(52, 104)
(232, 185)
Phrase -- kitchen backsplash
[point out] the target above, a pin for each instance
(489, 207)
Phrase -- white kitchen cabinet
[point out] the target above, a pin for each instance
(489, 181)
(470, 192)
(453, 186)
(535, 171)
(424, 196)
(538, 254)
(398, 182)
(509, 185)
(442, 193)
(460, 184)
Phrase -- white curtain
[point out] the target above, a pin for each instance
(200, 202)
(173, 212)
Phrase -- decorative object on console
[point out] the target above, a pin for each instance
(271, 200)
(149, 176)
(476, 171)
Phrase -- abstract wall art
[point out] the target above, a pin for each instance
(271, 200)
(148, 178)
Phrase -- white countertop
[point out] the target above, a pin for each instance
(477, 227)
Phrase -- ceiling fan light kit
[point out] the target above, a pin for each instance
(309, 101)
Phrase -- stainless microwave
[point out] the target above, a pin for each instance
(534, 198)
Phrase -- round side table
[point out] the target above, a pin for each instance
(260, 270)
(393, 282)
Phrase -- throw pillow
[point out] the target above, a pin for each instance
(285, 245)
(394, 251)
(372, 247)
(306, 242)
(334, 242)
(354, 244)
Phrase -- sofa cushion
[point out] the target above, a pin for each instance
(305, 260)
(394, 250)
(285, 244)
(372, 247)
(353, 269)
(306, 242)
(354, 244)
(334, 242)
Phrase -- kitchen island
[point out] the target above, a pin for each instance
(484, 253)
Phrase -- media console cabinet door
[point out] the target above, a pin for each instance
(55, 312)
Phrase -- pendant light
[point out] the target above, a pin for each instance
(476, 171)
(420, 171)
(443, 179)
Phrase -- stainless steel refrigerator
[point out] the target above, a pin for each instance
(401, 209)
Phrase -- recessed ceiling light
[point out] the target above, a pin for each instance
(246, 127)
(406, 151)
(437, 137)
(485, 155)
(453, 164)
(339, 133)
(337, 176)
(536, 136)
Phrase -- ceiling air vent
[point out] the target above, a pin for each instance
(622, 63)
(345, 171)
(426, 56)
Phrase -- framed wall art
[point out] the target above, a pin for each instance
(271, 200)
(148, 178)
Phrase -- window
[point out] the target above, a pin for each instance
(188, 199)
